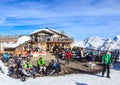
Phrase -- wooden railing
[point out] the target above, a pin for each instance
(56, 40)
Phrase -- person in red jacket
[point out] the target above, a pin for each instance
(67, 56)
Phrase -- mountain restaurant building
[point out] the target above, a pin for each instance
(46, 39)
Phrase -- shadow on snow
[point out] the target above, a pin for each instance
(116, 66)
(80, 83)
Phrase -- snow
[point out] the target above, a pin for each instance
(72, 79)
(47, 30)
(4, 69)
(95, 42)
(21, 40)
(55, 36)
(56, 31)
(11, 45)
(78, 44)
(36, 31)
(116, 38)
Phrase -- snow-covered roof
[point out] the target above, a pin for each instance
(10, 45)
(20, 40)
(23, 39)
(39, 30)
(46, 30)
(57, 32)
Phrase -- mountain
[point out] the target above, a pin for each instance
(94, 42)
(117, 38)
(109, 44)
(78, 44)
(98, 43)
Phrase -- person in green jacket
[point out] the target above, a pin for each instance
(27, 65)
(28, 70)
(40, 64)
(106, 61)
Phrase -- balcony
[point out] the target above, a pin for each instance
(60, 40)
(55, 40)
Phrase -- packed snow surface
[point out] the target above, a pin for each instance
(72, 79)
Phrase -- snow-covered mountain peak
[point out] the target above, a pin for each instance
(99, 43)
(109, 40)
(94, 42)
(116, 38)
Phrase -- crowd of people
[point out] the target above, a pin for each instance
(107, 58)
(78, 53)
(22, 68)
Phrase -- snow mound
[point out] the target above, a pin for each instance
(5, 80)
(3, 68)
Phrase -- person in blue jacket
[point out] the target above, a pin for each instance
(5, 57)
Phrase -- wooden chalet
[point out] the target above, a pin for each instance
(48, 38)
(42, 40)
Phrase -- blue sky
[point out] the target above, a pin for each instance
(78, 18)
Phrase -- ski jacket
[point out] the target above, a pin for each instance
(106, 59)
(54, 65)
(27, 65)
(5, 56)
(40, 62)
(67, 55)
